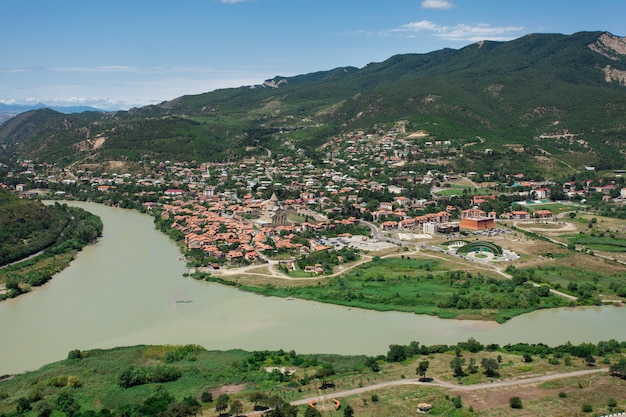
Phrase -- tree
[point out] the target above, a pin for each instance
(490, 365)
(23, 405)
(397, 353)
(236, 408)
(619, 369)
(472, 368)
(515, 402)
(188, 407)
(259, 399)
(457, 364)
(372, 363)
(422, 367)
(312, 412)
(66, 403)
(348, 411)
(473, 345)
(157, 404)
(43, 409)
(221, 404)
(590, 360)
(75, 354)
(324, 372)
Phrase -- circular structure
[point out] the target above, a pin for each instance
(481, 246)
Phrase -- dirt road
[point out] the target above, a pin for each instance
(451, 386)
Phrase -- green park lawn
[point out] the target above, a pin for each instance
(421, 286)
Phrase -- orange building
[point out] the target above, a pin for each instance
(476, 219)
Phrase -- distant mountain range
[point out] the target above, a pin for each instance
(558, 100)
(8, 111)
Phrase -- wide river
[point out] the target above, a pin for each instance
(129, 289)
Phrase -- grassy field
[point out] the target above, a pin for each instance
(424, 285)
(90, 381)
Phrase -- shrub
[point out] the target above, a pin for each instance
(587, 408)
(562, 394)
(75, 354)
(73, 381)
(59, 381)
(23, 405)
(515, 402)
(131, 377)
(206, 397)
(457, 401)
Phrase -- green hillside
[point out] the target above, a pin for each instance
(44, 238)
(555, 95)
(26, 227)
(178, 381)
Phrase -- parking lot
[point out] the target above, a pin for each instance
(356, 242)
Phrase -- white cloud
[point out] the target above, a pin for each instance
(463, 32)
(437, 4)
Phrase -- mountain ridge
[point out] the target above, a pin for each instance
(535, 91)
(8, 111)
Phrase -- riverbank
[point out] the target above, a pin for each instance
(97, 380)
(81, 229)
(96, 303)
(420, 282)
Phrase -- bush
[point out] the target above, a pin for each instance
(587, 408)
(133, 376)
(58, 381)
(515, 402)
(562, 394)
(206, 397)
(457, 401)
(73, 381)
(75, 354)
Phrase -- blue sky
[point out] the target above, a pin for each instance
(115, 54)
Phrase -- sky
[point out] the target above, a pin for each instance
(118, 54)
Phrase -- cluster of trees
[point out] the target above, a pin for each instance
(79, 228)
(160, 404)
(489, 365)
(133, 376)
(327, 258)
(619, 368)
(26, 227)
(399, 353)
(476, 292)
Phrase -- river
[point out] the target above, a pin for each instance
(129, 289)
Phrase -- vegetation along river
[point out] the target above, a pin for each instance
(129, 289)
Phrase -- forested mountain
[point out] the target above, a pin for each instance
(8, 111)
(551, 94)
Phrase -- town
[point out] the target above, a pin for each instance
(242, 213)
